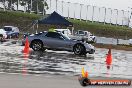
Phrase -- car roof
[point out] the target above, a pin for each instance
(8, 26)
(61, 29)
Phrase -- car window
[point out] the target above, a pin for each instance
(54, 35)
(81, 32)
(7, 29)
(86, 33)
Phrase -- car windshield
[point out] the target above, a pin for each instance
(66, 37)
(81, 32)
(7, 29)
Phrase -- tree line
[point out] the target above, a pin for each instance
(35, 6)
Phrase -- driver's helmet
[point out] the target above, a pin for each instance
(52, 30)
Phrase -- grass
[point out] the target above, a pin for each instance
(117, 47)
(24, 22)
(19, 19)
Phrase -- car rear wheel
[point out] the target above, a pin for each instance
(79, 49)
(37, 46)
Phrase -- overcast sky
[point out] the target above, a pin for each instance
(115, 4)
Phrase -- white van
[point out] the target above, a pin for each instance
(66, 32)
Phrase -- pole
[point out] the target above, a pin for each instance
(4, 4)
(116, 17)
(50, 6)
(62, 7)
(24, 6)
(37, 8)
(87, 13)
(68, 10)
(80, 12)
(122, 18)
(56, 5)
(99, 14)
(93, 13)
(17, 4)
(128, 18)
(110, 15)
(43, 7)
(11, 5)
(104, 15)
(31, 6)
(74, 10)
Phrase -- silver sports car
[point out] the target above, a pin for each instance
(58, 41)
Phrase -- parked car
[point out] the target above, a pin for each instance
(85, 35)
(3, 35)
(130, 41)
(58, 41)
(11, 31)
(79, 35)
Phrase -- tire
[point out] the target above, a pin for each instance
(79, 49)
(91, 51)
(85, 82)
(37, 45)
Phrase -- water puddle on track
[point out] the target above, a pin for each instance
(12, 60)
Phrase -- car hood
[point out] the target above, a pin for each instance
(2, 31)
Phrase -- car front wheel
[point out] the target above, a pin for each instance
(79, 49)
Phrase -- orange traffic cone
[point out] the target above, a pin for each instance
(86, 74)
(109, 59)
(26, 47)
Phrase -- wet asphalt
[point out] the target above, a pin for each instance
(12, 60)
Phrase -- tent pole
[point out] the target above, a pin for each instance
(37, 28)
(44, 7)
(72, 30)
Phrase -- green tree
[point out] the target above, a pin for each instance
(10, 4)
(37, 5)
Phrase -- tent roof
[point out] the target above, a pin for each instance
(55, 19)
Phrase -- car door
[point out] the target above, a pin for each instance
(56, 41)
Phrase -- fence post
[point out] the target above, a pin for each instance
(56, 5)
(31, 6)
(104, 15)
(37, 8)
(43, 7)
(87, 13)
(80, 12)
(128, 19)
(74, 10)
(122, 18)
(117, 16)
(62, 7)
(110, 15)
(68, 10)
(17, 4)
(99, 14)
(4, 4)
(50, 6)
(93, 13)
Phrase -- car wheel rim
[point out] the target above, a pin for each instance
(78, 49)
(36, 46)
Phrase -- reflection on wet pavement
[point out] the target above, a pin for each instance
(12, 60)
